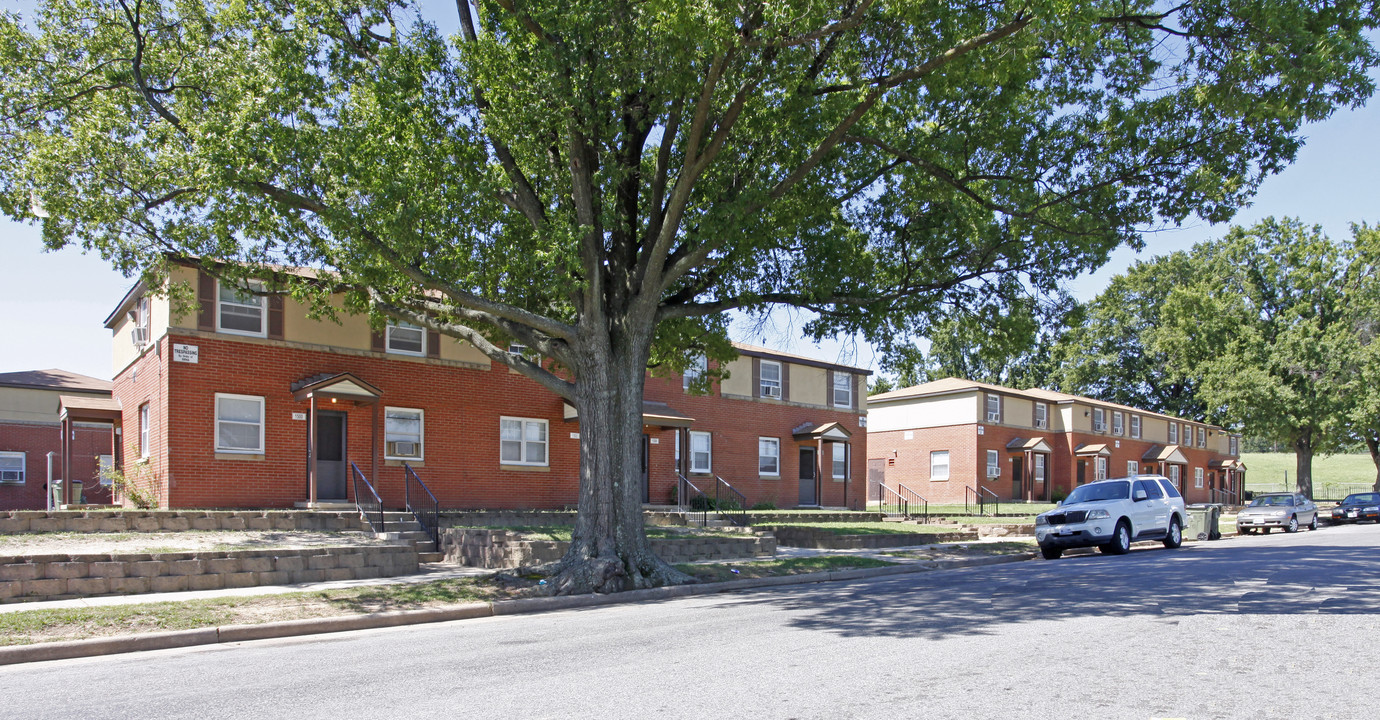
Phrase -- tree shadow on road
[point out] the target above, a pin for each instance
(1229, 579)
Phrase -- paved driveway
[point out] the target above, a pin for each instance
(1194, 633)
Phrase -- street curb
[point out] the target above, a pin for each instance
(69, 649)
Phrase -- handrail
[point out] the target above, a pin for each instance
(907, 502)
(363, 502)
(685, 501)
(971, 500)
(893, 503)
(733, 504)
(982, 502)
(427, 509)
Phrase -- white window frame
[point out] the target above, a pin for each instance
(105, 464)
(1099, 468)
(240, 451)
(993, 415)
(388, 339)
(708, 466)
(763, 443)
(1118, 423)
(1173, 433)
(144, 423)
(1041, 415)
(846, 387)
(23, 467)
(1175, 475)
(993, 464)
(421, 434)
(1040, 466)
(1233, 448)
(1187, 435)
(1132, 468)
(834, 460)
(523, 442)
(694, 371)
(1135, 426)
(1099, 420)
(935, 456)
(1202, 437)
(763, 384)
(1197, 477)
(262, 305)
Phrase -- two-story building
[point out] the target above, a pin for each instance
(952, 439)
(246, 401)
(31, 427)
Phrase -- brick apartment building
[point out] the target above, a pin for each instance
(949, 439)
(31, 427)
(220, 403)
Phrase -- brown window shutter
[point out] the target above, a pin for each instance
(785, 381)
(275, 317)
(433, 344)
(859, 387)
(1001, 408)
(828, 388)
(206, 301)
(376, 341)
(757, 377)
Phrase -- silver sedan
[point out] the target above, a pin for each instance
(1277, 510)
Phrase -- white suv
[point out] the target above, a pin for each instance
(1111, 514)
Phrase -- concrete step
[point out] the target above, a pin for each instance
(431, 557)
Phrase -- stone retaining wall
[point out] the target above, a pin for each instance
(824, 540)
(81, 521)
(507, 518)
(812, 516)
(493, 549)
(55, 577)
(1005, 530)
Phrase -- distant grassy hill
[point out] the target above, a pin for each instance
(1333, 477)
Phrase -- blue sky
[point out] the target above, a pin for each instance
(52, 305)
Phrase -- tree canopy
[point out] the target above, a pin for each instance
(601, 179)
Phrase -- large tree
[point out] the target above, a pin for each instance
(600, 179)
(1266, 334)
(1362, 379)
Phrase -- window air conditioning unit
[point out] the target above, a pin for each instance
(140, 336)
(771, 391)
(993, 417)
(993, 471)
(404, 448)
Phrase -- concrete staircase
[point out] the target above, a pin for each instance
(401, 525)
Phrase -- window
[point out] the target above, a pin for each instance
(241, 311)
(1188, 434)
(1117, 427)
(402, 433)
(1197, 477)
(1135, 426)
(12, 468)
(1174, 471)
(840, 461)
(140, 317)
(994, 408)
(1173, 433)
(1232, 446)
(105, 464)
(1099, 420)
(770, 385)
(405, 339)
(694, 371)
(1040, 475)
(1132, 468)
(768, 457)
(1169, 489)
(144, 431)
(993, 464)
(1151, 488)
(843, 389)
(522, 441)
(701, 452)
(939, 465)
(1041, 415)
(1202, 437)
(239, 424)
(1100, 469)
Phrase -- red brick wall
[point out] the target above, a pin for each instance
(461, 438)
(145, 381)
(37, 441)
(911, 466)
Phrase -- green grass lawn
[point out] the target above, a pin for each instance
(958, 510)
(1334, 476)
(866, 528)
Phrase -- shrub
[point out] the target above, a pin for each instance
(764, 506)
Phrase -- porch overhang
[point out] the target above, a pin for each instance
(654, 413)
(1092, 449)
(84, 408)
(1229, 464)
(1036, 444)
(1165, 454)
(335, 386)
(830, 431)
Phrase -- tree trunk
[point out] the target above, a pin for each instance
(609, 551)
(1303, 465)
(1373, 445)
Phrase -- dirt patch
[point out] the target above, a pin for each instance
(186, 541)
(966, 550)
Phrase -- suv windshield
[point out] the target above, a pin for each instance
(1269, 500)
(1099, 491)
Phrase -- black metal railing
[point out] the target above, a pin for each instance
(730, 503)
(423, 505)
(972, 500)
(987, 497)
(367, 499)
(691, 499)
(904, 501)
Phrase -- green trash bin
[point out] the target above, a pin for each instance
(1198, 519)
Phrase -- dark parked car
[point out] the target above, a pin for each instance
(1357, 507)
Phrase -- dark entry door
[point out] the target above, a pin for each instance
(331, 468)
(807, 477)
(646, 476)
(1082, 471)
(1017, 478)
(876, 478)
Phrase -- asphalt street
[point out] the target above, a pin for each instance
(1278, 626)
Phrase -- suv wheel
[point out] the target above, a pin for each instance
(1121, 540)
(1293, 524)
(1051, 553)
(1313, 525)
(1175, 537)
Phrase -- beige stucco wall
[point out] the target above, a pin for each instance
(924, 413)
(1060, 417)
(1154, 429)
(28, 405)
(1077, 420)
(342, 331)
(739, 381)
(808, 384)
(1017, 411)
(453, 349)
